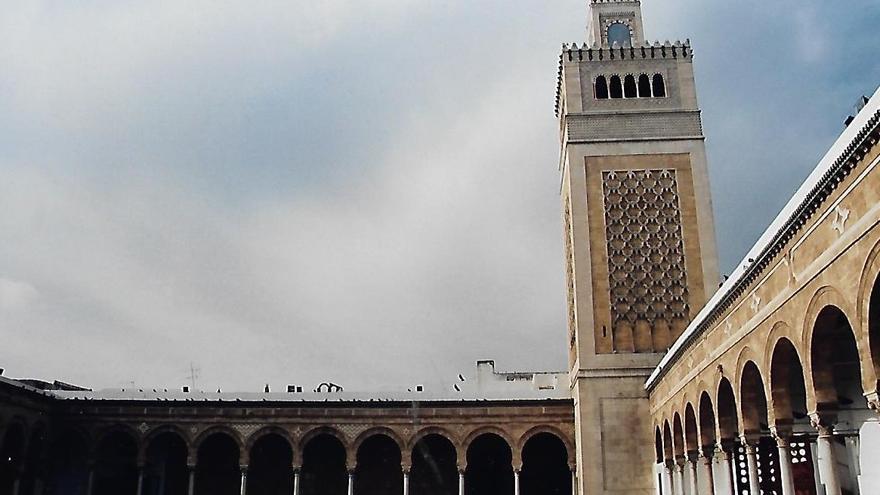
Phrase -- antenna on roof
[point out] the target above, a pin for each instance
(194, 372)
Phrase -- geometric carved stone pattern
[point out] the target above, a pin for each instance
(569, 272)
(645, 249)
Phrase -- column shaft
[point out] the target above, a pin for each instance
(16, 485)
(461, 483)
(191, 489)
(678, 480)
(140, 487)
(406, 483)
(90, 484)
(694, 483)
(708, 481)
(752, 459)
(828, 464)
(667, 485)
(351, 483)
(243, 490)
(296, 482)
(723, 480)
(516, 483)
(574, 482)
(785, 474)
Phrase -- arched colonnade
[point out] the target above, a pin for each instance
(220, 460)
(785, 416)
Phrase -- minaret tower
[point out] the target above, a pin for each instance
(639, 237)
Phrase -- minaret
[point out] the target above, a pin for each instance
(639, 237)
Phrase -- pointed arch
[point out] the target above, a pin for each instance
(708, 427)
(615, 87)
(601, 88)
(658, 85)
(629, 87)
(644, 86)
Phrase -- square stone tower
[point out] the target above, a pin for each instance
(639, 237)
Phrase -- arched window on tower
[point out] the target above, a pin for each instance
(629, 86)
(619, 33)
(644, 86)
(601, 88)
(659, 86)
(616, 87)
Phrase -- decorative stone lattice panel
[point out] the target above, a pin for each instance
(645, 249)
(591, 128)
(569, 272)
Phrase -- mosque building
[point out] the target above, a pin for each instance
(677, 383)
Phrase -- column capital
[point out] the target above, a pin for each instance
(823, 423)
(243, 468)
(749, 440)
(873, 401)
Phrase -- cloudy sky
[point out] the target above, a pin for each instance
(362, 191)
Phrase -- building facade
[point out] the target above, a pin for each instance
(676, 385)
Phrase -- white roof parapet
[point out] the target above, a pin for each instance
(778, 233)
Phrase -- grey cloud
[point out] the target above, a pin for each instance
(364, 191)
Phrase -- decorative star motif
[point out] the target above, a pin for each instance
(756, 302)
(839, 223)
(143, 427)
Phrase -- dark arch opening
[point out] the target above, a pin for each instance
(629, 87)
(644, 86)
(217, 468)
(601, 88)
(658, 446)
(787, 385)
(34, 460)
(691, 439)
(668, 448)
(489, 469)
(116, 470)
(11, 457)
(324, 471)
(728, 418)
(754, 401)
(659, 86)
(378, 467)
(165, 472)
(545, 466)
(835, 361)
(616, 87)
(707, 423)
(678, 437)
(874, 327)
(271, 466)
(68, 471)
(434, 466)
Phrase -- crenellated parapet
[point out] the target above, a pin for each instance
(604, 53)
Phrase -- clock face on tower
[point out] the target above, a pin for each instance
(619, 33)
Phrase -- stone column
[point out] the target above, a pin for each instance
(90, 484)
(191, 490)
(751, 447)
(574, 481)
(140, 487)
(723, 482)
(785, 474)
(694, 482)
(16, 484)
(460, 482)
(406, 482)
(243, 490)
(827, 463)
(516, 482)
(351, 482)
(667, 485)
(295, 481)
(705, 463)
(678, 478)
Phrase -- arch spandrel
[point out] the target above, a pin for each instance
(102, 432)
